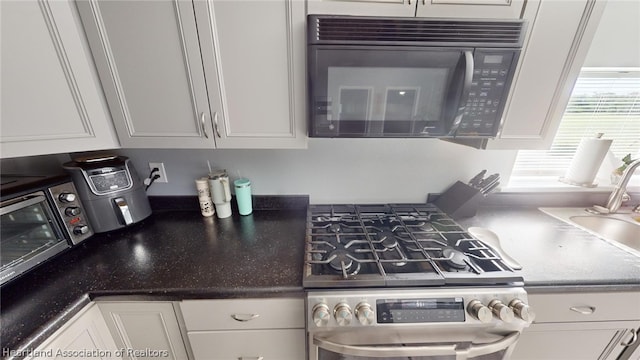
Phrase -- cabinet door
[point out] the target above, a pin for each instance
(281, 344)
(137, 326)
(257, 51)
(363, 7)
(148, 57)
(560, 35)
(86, 332)
(579, 340)
(50, 95)
(478, 9)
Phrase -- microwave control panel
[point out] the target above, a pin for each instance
(492, 74)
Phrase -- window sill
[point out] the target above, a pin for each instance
(552, 184)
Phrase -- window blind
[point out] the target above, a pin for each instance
(602, 102)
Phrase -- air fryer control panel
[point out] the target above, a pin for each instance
(73, 215)
(107, 180)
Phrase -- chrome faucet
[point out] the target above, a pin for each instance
(615, 199)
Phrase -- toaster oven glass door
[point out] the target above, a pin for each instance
(29, 234)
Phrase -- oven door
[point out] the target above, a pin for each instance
(398, 346)
(29, 235)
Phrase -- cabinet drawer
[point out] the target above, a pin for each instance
(585, 306)
(230, 314)
(283, 344)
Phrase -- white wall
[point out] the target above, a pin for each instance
(332, 170)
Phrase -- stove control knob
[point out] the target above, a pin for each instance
(501, 311)
(479, 311)
(343, 315)
(80, 229)
(67, 197)
(365, 314)
(321, 315)
(72, 211)
(522, 310)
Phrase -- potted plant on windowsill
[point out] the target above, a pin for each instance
(617, 173)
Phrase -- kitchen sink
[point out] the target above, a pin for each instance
(621, 229)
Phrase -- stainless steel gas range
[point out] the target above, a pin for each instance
(405, 281)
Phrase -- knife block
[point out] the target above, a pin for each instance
(460, 200)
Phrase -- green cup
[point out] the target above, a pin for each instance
(243, 196)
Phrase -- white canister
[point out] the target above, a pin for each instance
(204, 197)
(220, 192)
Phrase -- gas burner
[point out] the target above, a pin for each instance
(335, 228)
(340, 260)
(455, 258)
(389, 242)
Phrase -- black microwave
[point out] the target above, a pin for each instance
(409, 77)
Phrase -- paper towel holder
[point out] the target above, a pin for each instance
(587, 184)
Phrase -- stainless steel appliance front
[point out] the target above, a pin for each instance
(403, 324)
(405, 281)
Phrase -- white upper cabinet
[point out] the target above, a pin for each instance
(148, 57)
(486, 9)
(478, 9)
(51, 97)
(203, 74)
(256, 50)
(558, 41)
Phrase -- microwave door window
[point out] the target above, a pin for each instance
(26, 233)
(378, 93)
(387, 101)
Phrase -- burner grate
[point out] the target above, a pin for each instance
(395, 244)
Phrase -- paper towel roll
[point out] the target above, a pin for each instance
(587, 160)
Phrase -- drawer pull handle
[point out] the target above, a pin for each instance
(584, 310)
(634, 338)
(251, 358)
(244, 317)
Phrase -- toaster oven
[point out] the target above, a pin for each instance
(41, 216)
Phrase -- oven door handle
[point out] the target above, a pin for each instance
(456, 350)
(26, 202)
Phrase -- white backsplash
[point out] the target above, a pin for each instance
(329, 171)
(332, 170)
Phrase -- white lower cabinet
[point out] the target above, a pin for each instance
(581, 326)
(84, 336)
(231, 329)
(145, 330)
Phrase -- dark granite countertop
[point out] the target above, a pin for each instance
(170, 255)
(556, 255)
(177, 255)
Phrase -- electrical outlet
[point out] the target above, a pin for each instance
(161, 172)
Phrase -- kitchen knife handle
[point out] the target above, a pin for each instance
(202, 125)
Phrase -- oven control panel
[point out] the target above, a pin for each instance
(71, 212)
(345, 308)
